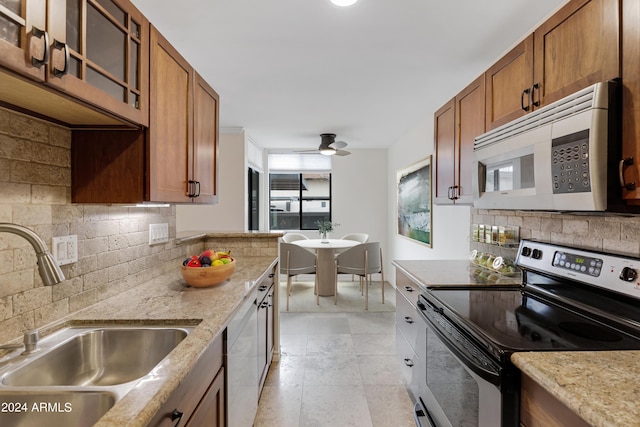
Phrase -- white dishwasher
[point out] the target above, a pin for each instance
(242, 365)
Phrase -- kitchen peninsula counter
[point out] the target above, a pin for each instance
(600, 386)
(168, 300)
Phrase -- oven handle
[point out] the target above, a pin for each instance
(491, 373)
(420, 413)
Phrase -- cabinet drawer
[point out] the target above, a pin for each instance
(406, 318)
(407, 287)
(409, 363)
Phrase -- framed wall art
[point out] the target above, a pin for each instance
(414, 202)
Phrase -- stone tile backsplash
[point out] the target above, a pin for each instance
(113, 250)
(613, 233)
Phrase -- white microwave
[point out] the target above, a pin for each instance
(558, 158)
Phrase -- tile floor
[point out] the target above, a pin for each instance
(336, 369)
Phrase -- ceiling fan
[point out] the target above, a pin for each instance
(329, 146)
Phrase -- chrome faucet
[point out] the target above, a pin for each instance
(47, 266)
(30, 342)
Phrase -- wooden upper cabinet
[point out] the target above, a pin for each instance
(456, 126)
(205, 140)
(575, 48)
(99, 54)
(174, 160)
(170, 133)
(508, 84)
(470, 116)
(92, 51)
(22, 37)
(444, 139)
(631, 100)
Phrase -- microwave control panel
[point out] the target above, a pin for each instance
(570, 163)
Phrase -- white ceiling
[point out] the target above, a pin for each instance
(288, 70)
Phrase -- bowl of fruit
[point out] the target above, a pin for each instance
(210, 268)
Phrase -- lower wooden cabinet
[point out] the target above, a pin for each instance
(199, 400)
(538, 408)
(211, 409)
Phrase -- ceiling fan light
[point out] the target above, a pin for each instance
(327, 151)
(343, 2)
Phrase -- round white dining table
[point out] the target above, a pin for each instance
(325, 260)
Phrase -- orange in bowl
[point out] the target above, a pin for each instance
(203, 277)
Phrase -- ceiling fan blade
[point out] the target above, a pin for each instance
(338, 145)
(342, 152)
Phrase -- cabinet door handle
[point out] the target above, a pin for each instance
(625, 162)
(37, 32)
(408, 319)
(191, 188)
(408, 289)
(58, 45)
(197, 189)
(262, 288)
(408, 362)
(526, 92)
(534, 89)
(272, 275)
(176, 415)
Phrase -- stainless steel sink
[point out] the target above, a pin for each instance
(79, 373)
(101, 357)
(58, 408)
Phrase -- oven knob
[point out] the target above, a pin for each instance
(536, 254)
(526, 251)
(628, 274)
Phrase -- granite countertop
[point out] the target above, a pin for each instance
(600, 386)
(186, 236)
(439, 273)
(168, 300)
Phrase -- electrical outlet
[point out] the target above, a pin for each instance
(65, 249)
(158, 233)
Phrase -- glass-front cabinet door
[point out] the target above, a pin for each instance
(24, 43)
(98, 48)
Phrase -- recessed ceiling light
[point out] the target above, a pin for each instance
(343, 2)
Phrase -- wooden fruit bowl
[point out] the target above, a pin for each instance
(203, 277)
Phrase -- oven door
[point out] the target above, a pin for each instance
(463, 386)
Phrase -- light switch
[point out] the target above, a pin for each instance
(158, 233)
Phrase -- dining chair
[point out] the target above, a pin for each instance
(292, 237)
(358, 237)
(295, 260)
(362, 260)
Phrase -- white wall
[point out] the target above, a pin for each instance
(229, 213)
(359, 194)
(450, 224)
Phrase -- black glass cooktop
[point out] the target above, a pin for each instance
(510, 320)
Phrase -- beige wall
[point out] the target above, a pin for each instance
(113, 250)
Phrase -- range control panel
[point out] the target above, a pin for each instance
(613, 272)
